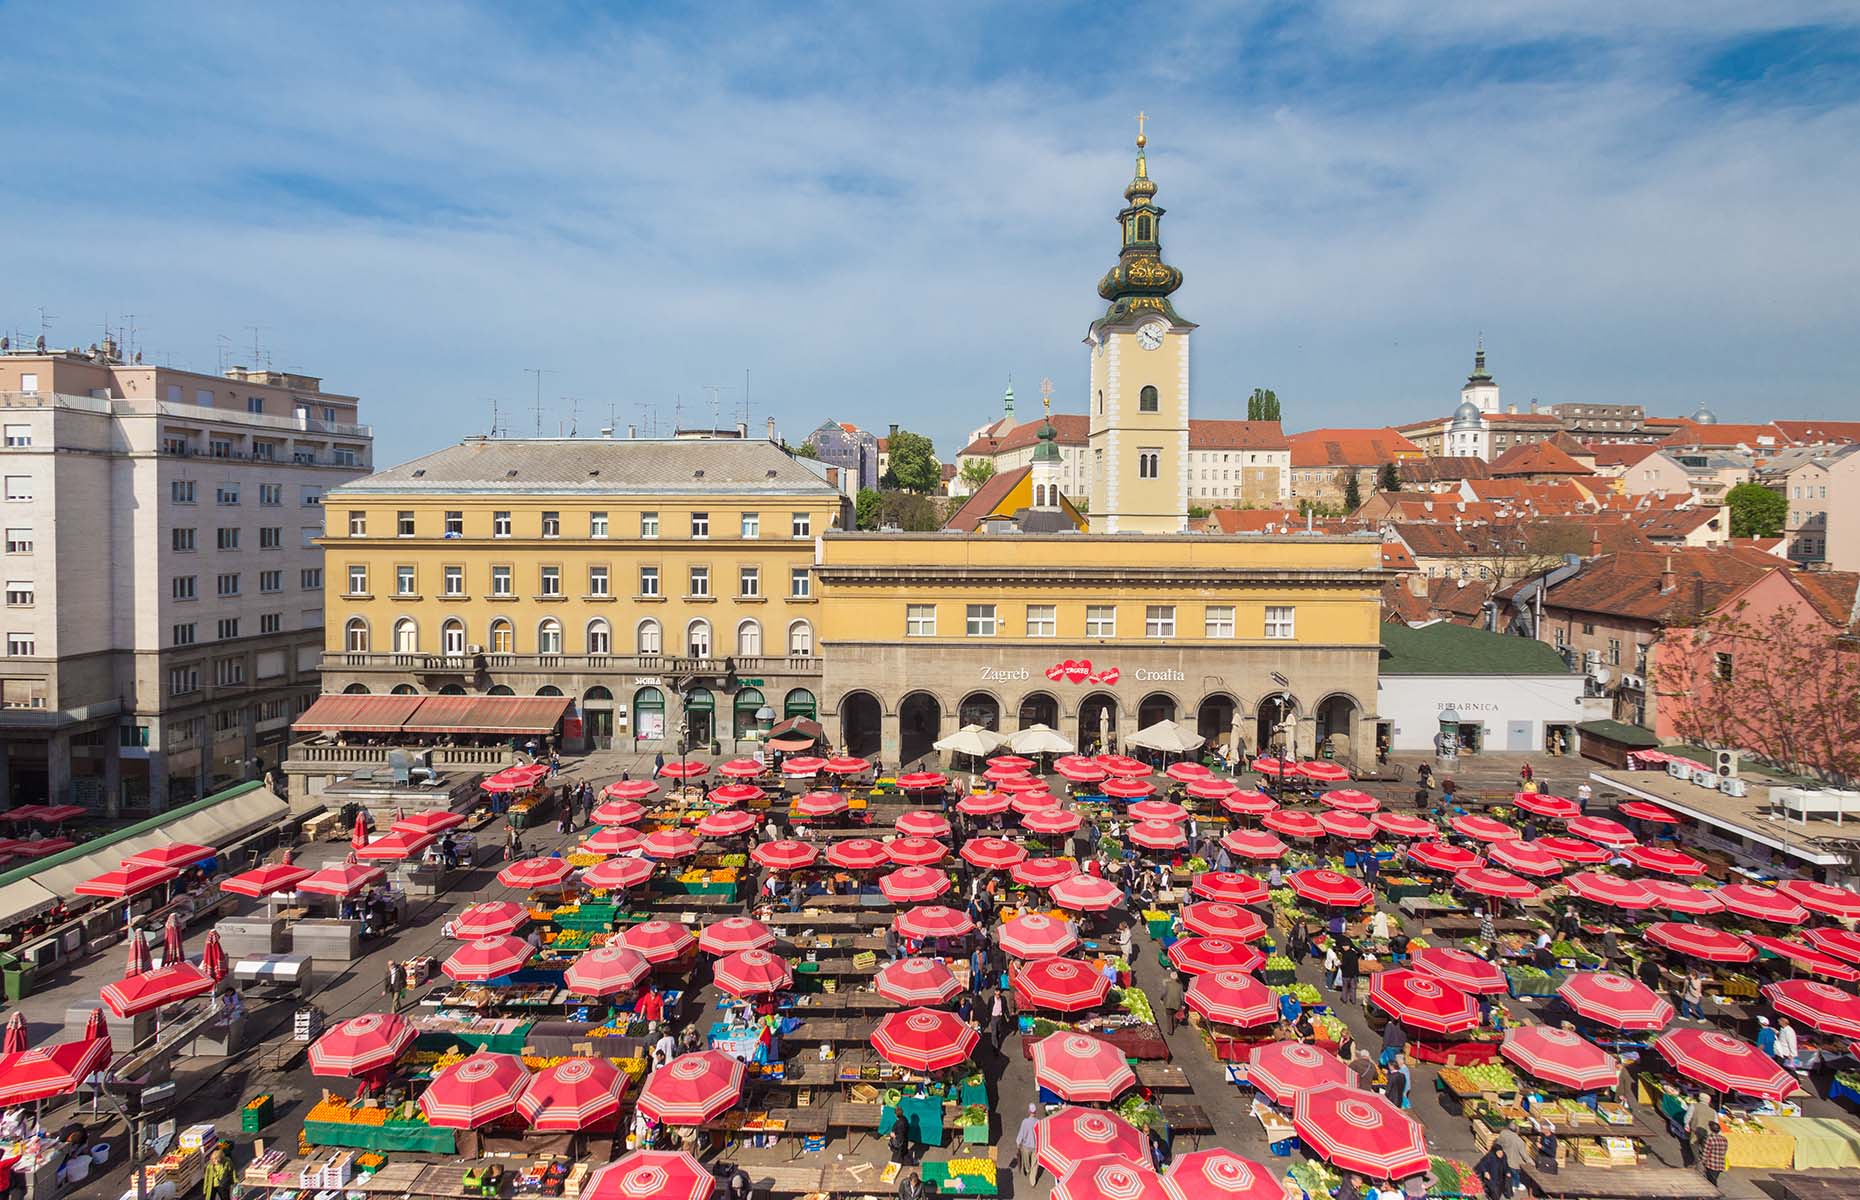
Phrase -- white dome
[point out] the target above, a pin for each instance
(1467, 415)
(1704, 416)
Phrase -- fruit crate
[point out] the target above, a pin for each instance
(256, 1114)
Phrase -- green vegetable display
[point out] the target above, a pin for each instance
(1138, 1005)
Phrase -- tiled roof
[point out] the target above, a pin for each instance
(602, 465)
(1395, 557)
(1552, 494)
(1691, 433)
(1236, 435)
(985, 499)
(1415, 600)
(1254, 520)
(1074, 429)
(1620, 454)
(1444, 469)
(1831, 592)
(1350, 447)
(1537, 458)
(1628, 584)
(1663, 523)
(1814, 433)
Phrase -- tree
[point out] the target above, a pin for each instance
(1390, 480)
(910, 512)
(1196, 511)
(1352, 491)
(977, 471)
(868, 507)
(1756, 511)
(913, 462)
(1263, 405)
(805, 450)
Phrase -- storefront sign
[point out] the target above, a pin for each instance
(1005, 674)
(1462, 706)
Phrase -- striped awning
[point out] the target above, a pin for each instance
(358, 714)
(434, 714)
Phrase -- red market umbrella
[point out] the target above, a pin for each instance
(1544, 805)
(1248, 804)
(573, 1094)
(1807, 958)
(1037, 935)
(1072, 1135)
(923, 823)
(488, 958)
(1323, 772)
(265, 880)
(1764, 904)
(1079, 1068)
(49, 1071)
(1360, 1131)
(1051, 820)
(1615, 1000)
(992, 853)
(1422, 1000)
(1253, 843)
(917, 981)
(727, 935)
(1725, 1063)
(15, 1041)
(140, 961)
(619, 812)
(1128, 789)
(808, 765)
(684, 770)
(1483, 829)
(179, 855)
(477, 1091)
(1200, 955)
(661, 941)
(725, 824)
(434, 823)
(819, 804)
(924, 1039)
(1443, 856)
(1699, 941)
(999, 773)
(126, 881)
(1281, 1070)
(1042, 872)
(1667, 862)
(1217, 918)
(1823, 898)
(669, 843)
(612, 839)
(740, 768)
(1232, 998)
(1086, 893)
(693, 1088)
(515, 779)
(359, 1045)
(982, 804)
(1561, 1057)
(1026, 785)
(1080, 770)
(735, 793)
(489, 918)
(359, 838)
(1157, 835)
(1350, 800)
(1828, 1009)
(1219, 1175)
(913, 885)
(1354, 826)
(847, 765)
(1674, 896)
(1462, 969)
(651, 1175)
(1843, 944)
(213, 957)
(626, 791)
(618, 873)
(1322, 886)
(396, 847)
(1062, 984)
(1011, 762)
(1157, 810)
(153, 989)
(1231, 886)
(1122, 766)
(1211, 789)
(1490, 881)
(172, 933)
(858, 854)
(1602, 830)
(1609, 889)
(1026, 803)
(1109, 1178)
(1293, 823)
(1640, 810)
(921, 781)
(753, 973)
(1574, 850)
(535, 874)
(915, 851)
(609, 970)
(933, 921)
(1187, 772)
(1526, 858)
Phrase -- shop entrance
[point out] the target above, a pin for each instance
(700, 719)
(920, 724)
(1214, 720)
(597, 717)
(979, 708)
(1097, 733)
(1155, 707)
(1336, 716)
(1039, 709)
(862, 724)
(1274, 731)
(649, 715)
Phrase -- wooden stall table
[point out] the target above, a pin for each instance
(813, 1031)
(1619, 1183)
(1186, 1119)
(784, 919)
(1842, 1186)
(1162, 1077)
(840, 1179)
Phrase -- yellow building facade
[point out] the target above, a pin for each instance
(658, 583)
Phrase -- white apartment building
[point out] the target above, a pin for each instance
(163, 590)
(1231, 464)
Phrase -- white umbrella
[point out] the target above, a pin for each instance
(1039, 739)
(972, 740)
(1167, 737)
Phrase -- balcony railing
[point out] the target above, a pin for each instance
(624, 664)
(470, 758)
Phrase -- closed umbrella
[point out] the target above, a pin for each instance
(1200, 955)
(213, 957)
(1359, 1131)
(573, 1094)
(480, 1089)
(1560, 1056)
(1281, 1070)
(917, 981)
(1061, 984)
(1615, 1000)
(359, 837)
(1217, 918)
(15, 1040)
(172, 932)
(1037, 935)
(730, 934)
(140, 960)
(609, 970)
(693, 1088)
(1725, 1063)
(924, 1039)
(1079, 1068)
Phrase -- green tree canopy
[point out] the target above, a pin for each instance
(805, 450)
(1390, 479)
(868, 507)
(977, 471)
(1352, 491)
(1756, 511)
(913, 462)
(1263, 405)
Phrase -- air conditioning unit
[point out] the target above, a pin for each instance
(1591, 658)
(1727, 764)
(474, 649)
(1678, 770)
(1705, 777)
(1731, 785)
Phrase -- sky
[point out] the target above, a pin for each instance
(881, 213)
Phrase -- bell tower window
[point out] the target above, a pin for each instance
(1146, 400)
(1101, 401)
(1143, 229)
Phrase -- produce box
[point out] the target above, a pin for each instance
(256, 1114)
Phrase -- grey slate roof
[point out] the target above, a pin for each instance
(602, 466)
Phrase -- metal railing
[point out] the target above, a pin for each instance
(636, 664)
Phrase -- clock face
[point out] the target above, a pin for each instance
(1150, 337)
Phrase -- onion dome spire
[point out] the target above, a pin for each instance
(1141, 283)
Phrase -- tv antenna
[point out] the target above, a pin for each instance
(258, 353)
(574, 413)
(716, 391)
(225, 346)
(648, 417)
(539, 372)
(46, 317)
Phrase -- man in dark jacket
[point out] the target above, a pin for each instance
(1172, 1001)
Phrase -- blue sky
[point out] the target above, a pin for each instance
(882, 211)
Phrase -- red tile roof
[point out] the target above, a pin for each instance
(1074, 429)
(1620, 454)
(1820, 433)
(1444, 469)
(1628, 584)
(1691, 433)
(1537, 458)
(985, 499)
(1254, 520)
(1236, 435)
(1350, 447)
(1460, 601)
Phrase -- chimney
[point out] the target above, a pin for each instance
(607, 431)
(742, 431)
(632, 432)
(771, 429)
(894, 429)
(1595, 541)
(1417, 585)
(1512, 409)
(833, 476)
(1669, 583)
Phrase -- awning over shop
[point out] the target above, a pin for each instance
(444, 714)
(434, 714)
(359, 714)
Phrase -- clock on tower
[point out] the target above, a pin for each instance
(1139, 377)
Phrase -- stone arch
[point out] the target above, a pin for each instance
(1157, 706)
(549, 636)
(862, 723)
(499, 689)
(406, 635)
(452, 689)
(1273, 711)
(1097, 724)
(404, 689)
(920, 724)
(600, 636)
(980, 707)
(356, 689)
(503, 636)
(1038, 708)
(1335, 717)
(1215, 715)
(355, 637)
(749, 638)
(452, 637)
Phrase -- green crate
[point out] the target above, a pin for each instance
(253, 1120)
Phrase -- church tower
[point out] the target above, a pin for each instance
(1044, 473)
(1480, 389)
(1139, 378)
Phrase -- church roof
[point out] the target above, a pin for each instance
(984, 501)
(1073, 429)
(1350, 448)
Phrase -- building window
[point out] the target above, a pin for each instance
(309, 497)
(229, 671)
(21, 645)
(1280, 621)
(183, 588)
(228, 538)
(358, 524)
(358, 579)
(404, 579)
(552, 524)
(697, 639)
(800, 525)
(455, 524)
(1588, 628)
(271, 537)
(1101, 620)
(453, 580)
(219, 448)
(1159, 621)
(310, 578)
(1042, 620)
(403, 524)
(648, 637)
(749, 582)
(800, 583)
(270, 622)
(1149, 463)
(1614, 652)
(181, 541)
(500, 524)
(597, 524)
(600, 637)
(1721, 667)
(271, 581)
(1219, 621)
(406, 636)
(1146, 400)
(700, 581)
(597, 581)
(749, 639)
(228, 584)
(752, 526)
(503, 637)
(183, 634)
(19, 487)
(920, 620)
(549, 637)
(452, 638)
(29, 382)
(227, 629)
(981, 620)
(700, 525)
(181, 491)
(551, 581)
(501, 582)
(19, 435)
(649, 524)
(649, 581)
(183, 681)
(19, 540)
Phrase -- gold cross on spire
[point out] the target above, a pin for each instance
(1142, 141)
(1046, 395)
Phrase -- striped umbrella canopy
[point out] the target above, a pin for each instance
(618, 873)
(213, 957)
(626, 791)
(1079, 769)
(1243, 803)
(727, 935)
(1157, 835)
(15, 1040)
(1674, 896)
(1086, 893)
(1051, 820)
(1490, 881)
(1560, 808)
(1200, 955)
(1828, 1009)
(847, 764)
(1109, 1178)
(1293, 823)
(1461, 969)
(933, 921)
(1404, 825)
(1321, 771)
(819, 804)
(1663, 860)
(265, 880)
(740, 768)
(913, 885)
(1232, 998)
(1422, 1000)
(179, 855)
(982, 804)
(735, 793)
(921, 781)
(126, 881)
(359, 1045)
(609, 970)
(49, 1071)
(753, 973)
(1188, 772)
(151, 990)
(1281, 1070)
(1823, 898)
(573, 1094)
(669, 843)
(1560, 1056)
(1037, 935)
(1360, 1131)
(1350, 800)
(1574, 850)
(917, 981)
(488, 958)
(172, 934)
(1219, 1175)
(1230, 886)
(1128, 789)
(651, 1175)
(1042, 872)
(1122, 766)
(535, 874)
(1764, 904)
(1526, 858)
(1640, 810)
(1323, 886)
(689, 769)
(659, 940)
(992, 853)
(1443, 856)
(924, 1039)
(1005, 772)
(612, 839)
(1253, 843)
(1483, 829)
(1062, 984)
(803, 766)
(1072, 1135)
(1157, 810)
(911, 851)
(1601, 830)
(397, 846)
(1217, 918)
(1805, 957)
(858, 854)
(1080, 1068)
(693, 1088)
(1843, 944)
(724, 824)
(1034, 800)
(476, 1091)
(1211, 789)
(1725, 1063)
(1699, 941)
(921, 822)
(1609, 889)
(620, 811)
(140, 960)
(1352, 825)
(1023, 785)
(1615, 1000)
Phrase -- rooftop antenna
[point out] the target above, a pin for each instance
(539, 372)
(493, 416)
(258, 354)
(574, 414)
(678, 412)
(745, 411)
(716, 391)
(648, 417)
(225, 350)
(46, 317)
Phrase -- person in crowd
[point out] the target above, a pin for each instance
(1400, 1082)
(217, 1180)
(1494, 1171)
(1766, 1036)
(1584, 794)
(395, 987)
(1351, 959)
(1172, 1000)
(1394, 1041)
(1700, 1117)
(1364, 1068)
(1026, 1144)
(1788, 1052)
(1712, 1152)
(1692, 997)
